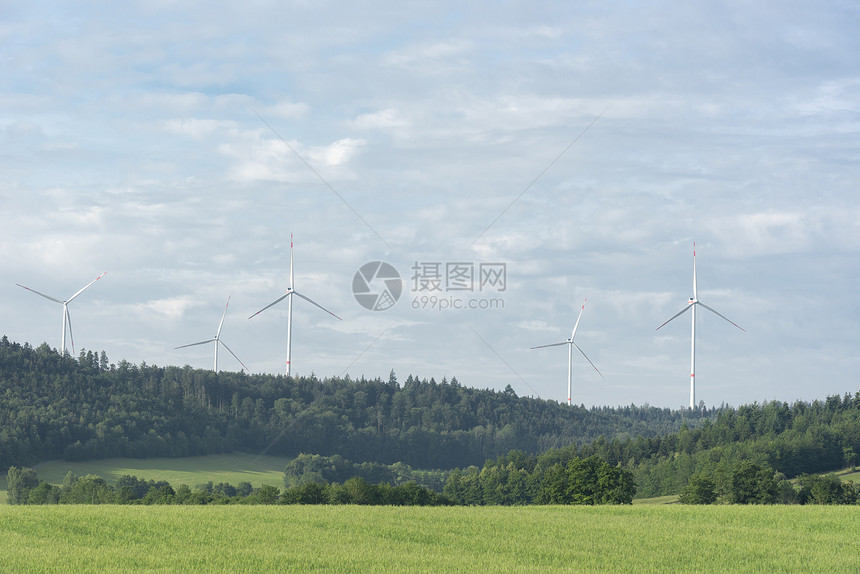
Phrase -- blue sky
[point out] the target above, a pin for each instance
(585, 146)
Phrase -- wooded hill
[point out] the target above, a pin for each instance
(783, 441)
(77, 408)
(54, 406)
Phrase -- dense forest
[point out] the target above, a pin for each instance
(54, 406)
(743, 455)
(792, 439)
(59, 407)
(786, 441)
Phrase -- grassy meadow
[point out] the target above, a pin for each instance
(193, 471)
(412, 539)
(849, 475)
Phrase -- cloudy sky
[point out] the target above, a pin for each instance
(582, 147)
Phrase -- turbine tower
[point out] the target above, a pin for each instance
(217, 340)
(67, 320)
(570, 345)
(288, 295)
(692, 304)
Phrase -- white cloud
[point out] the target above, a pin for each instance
(154, 311)
(197, 128)
(386, 119)
(424, 54)
(337, 153)
(131, 144)
(288, 110)
(772, 232)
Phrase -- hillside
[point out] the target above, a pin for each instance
(54, 407)
(59, 407)
(784, 441)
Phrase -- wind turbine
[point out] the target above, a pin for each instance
(692, 304)
(287, 295)
(570, 345)
(217, 340)
(67, 320)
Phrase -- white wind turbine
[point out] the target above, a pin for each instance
(692, 304)
(291, 291)
(217, 340)
(570, 345)
(67, 320)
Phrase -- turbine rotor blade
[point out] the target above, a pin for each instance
(587, 359)
(42, 294)
(309, 300)
(85, 287)
(722, 316)
(573, 333)
(552, 345)
(195, 344)
(275, 302)
(678, 314)
(221, 324)
(695, 287)
(234, 354)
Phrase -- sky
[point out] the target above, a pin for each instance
(510, 158)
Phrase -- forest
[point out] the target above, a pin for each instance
(60, 407)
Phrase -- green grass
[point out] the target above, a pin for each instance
(669, 499)
(848, 475)
(672, 538)
(193, 471)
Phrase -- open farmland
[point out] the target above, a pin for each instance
(193, 471)
(389, 539)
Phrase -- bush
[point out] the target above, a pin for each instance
(19, 482)
(44, 494)
(700, 490)
(753, 484)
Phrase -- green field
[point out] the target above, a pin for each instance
(193, 471)
(668, 499)
(848, 475)
(672, 538)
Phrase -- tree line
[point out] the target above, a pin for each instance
(753, 483)
(561, 476)
(589, 481)
(24, 487)
(59, 407)
(306, 468)
(54, 406)
(514, 479)
(790, 439)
